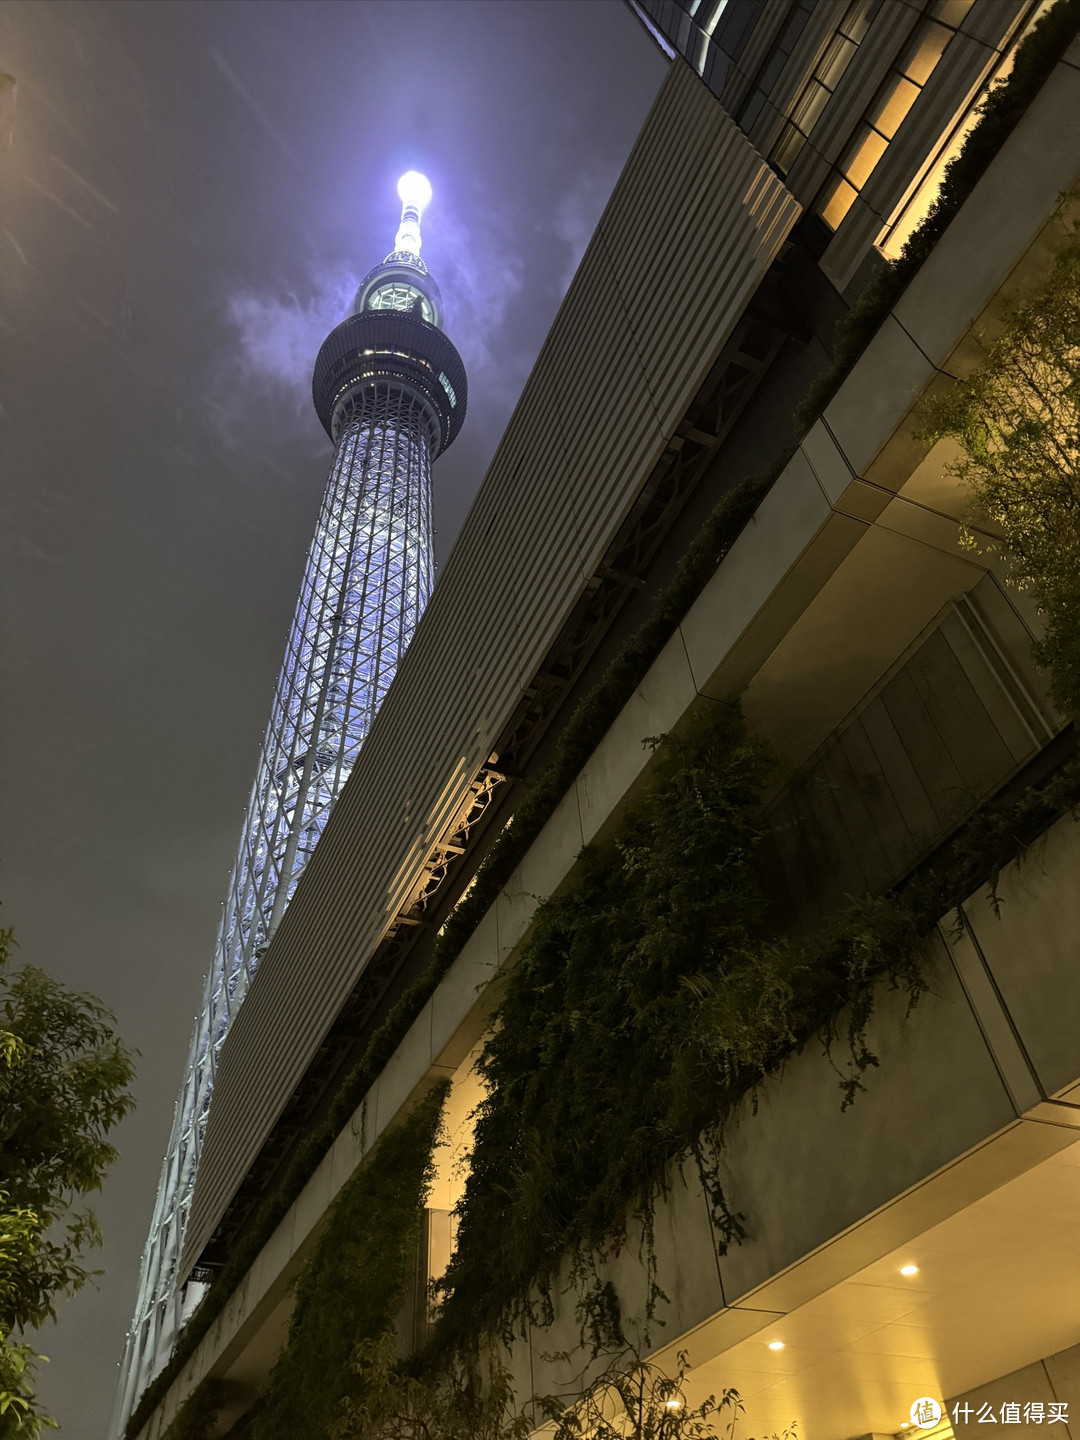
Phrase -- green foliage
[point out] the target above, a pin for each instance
(583, 732)
(356, 1282)
(635, 1399)
(998, 834)
(19, 1233)
(1017, 418)
(20, 1416)
(65, 1091)
(585, 1066)
(64, 1080)
(650, 984)
(466, 1399)
(599, 708)
(474, 1399)
(747, 1018)
(999, 113)
(640, 1400)
(653, 982)
(197, 1416)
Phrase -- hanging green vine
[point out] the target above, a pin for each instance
(588, 1100)
(355, 1284)
(649, 1001)
(197, 1417)
(470, 1397)
(646, 1002)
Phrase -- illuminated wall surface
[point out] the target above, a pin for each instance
(367, 579)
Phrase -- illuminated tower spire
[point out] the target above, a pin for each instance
(415, 194)
(390, 390)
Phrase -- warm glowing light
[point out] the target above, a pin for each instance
(909, 1269)
(413, 189)
(672, 1404)
(776, 1344)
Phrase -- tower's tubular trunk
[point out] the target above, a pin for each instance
(391, 391)
(367, 579)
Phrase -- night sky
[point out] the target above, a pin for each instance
(189, 194)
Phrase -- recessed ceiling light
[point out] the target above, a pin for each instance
(776, 1344)
(909, 1269)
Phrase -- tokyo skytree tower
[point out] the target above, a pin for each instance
(390, 390)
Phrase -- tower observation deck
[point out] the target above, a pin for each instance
(390, 391)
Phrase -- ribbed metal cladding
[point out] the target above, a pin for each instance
(694, 222)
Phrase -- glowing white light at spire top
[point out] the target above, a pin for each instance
(415, 192)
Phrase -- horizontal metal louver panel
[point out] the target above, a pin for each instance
(693, 224)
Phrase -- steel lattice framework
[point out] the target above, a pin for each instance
(390, 390)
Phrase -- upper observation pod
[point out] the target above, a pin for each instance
(402, 281)
(393, 342)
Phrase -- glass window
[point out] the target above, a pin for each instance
(855, 21)
(810, 105)
(716, 69)
(925, 52)
(771, 73)
(834, 62)
(863, 156)
(396, 295)
(739, 22)
(794, 27)
(710, 16)
(952, 12)
(894, 100)
(789, 145)
(887, 112)
(838, 202)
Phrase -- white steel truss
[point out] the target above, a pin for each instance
(367, 580)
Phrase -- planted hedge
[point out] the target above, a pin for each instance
(197, 1417)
